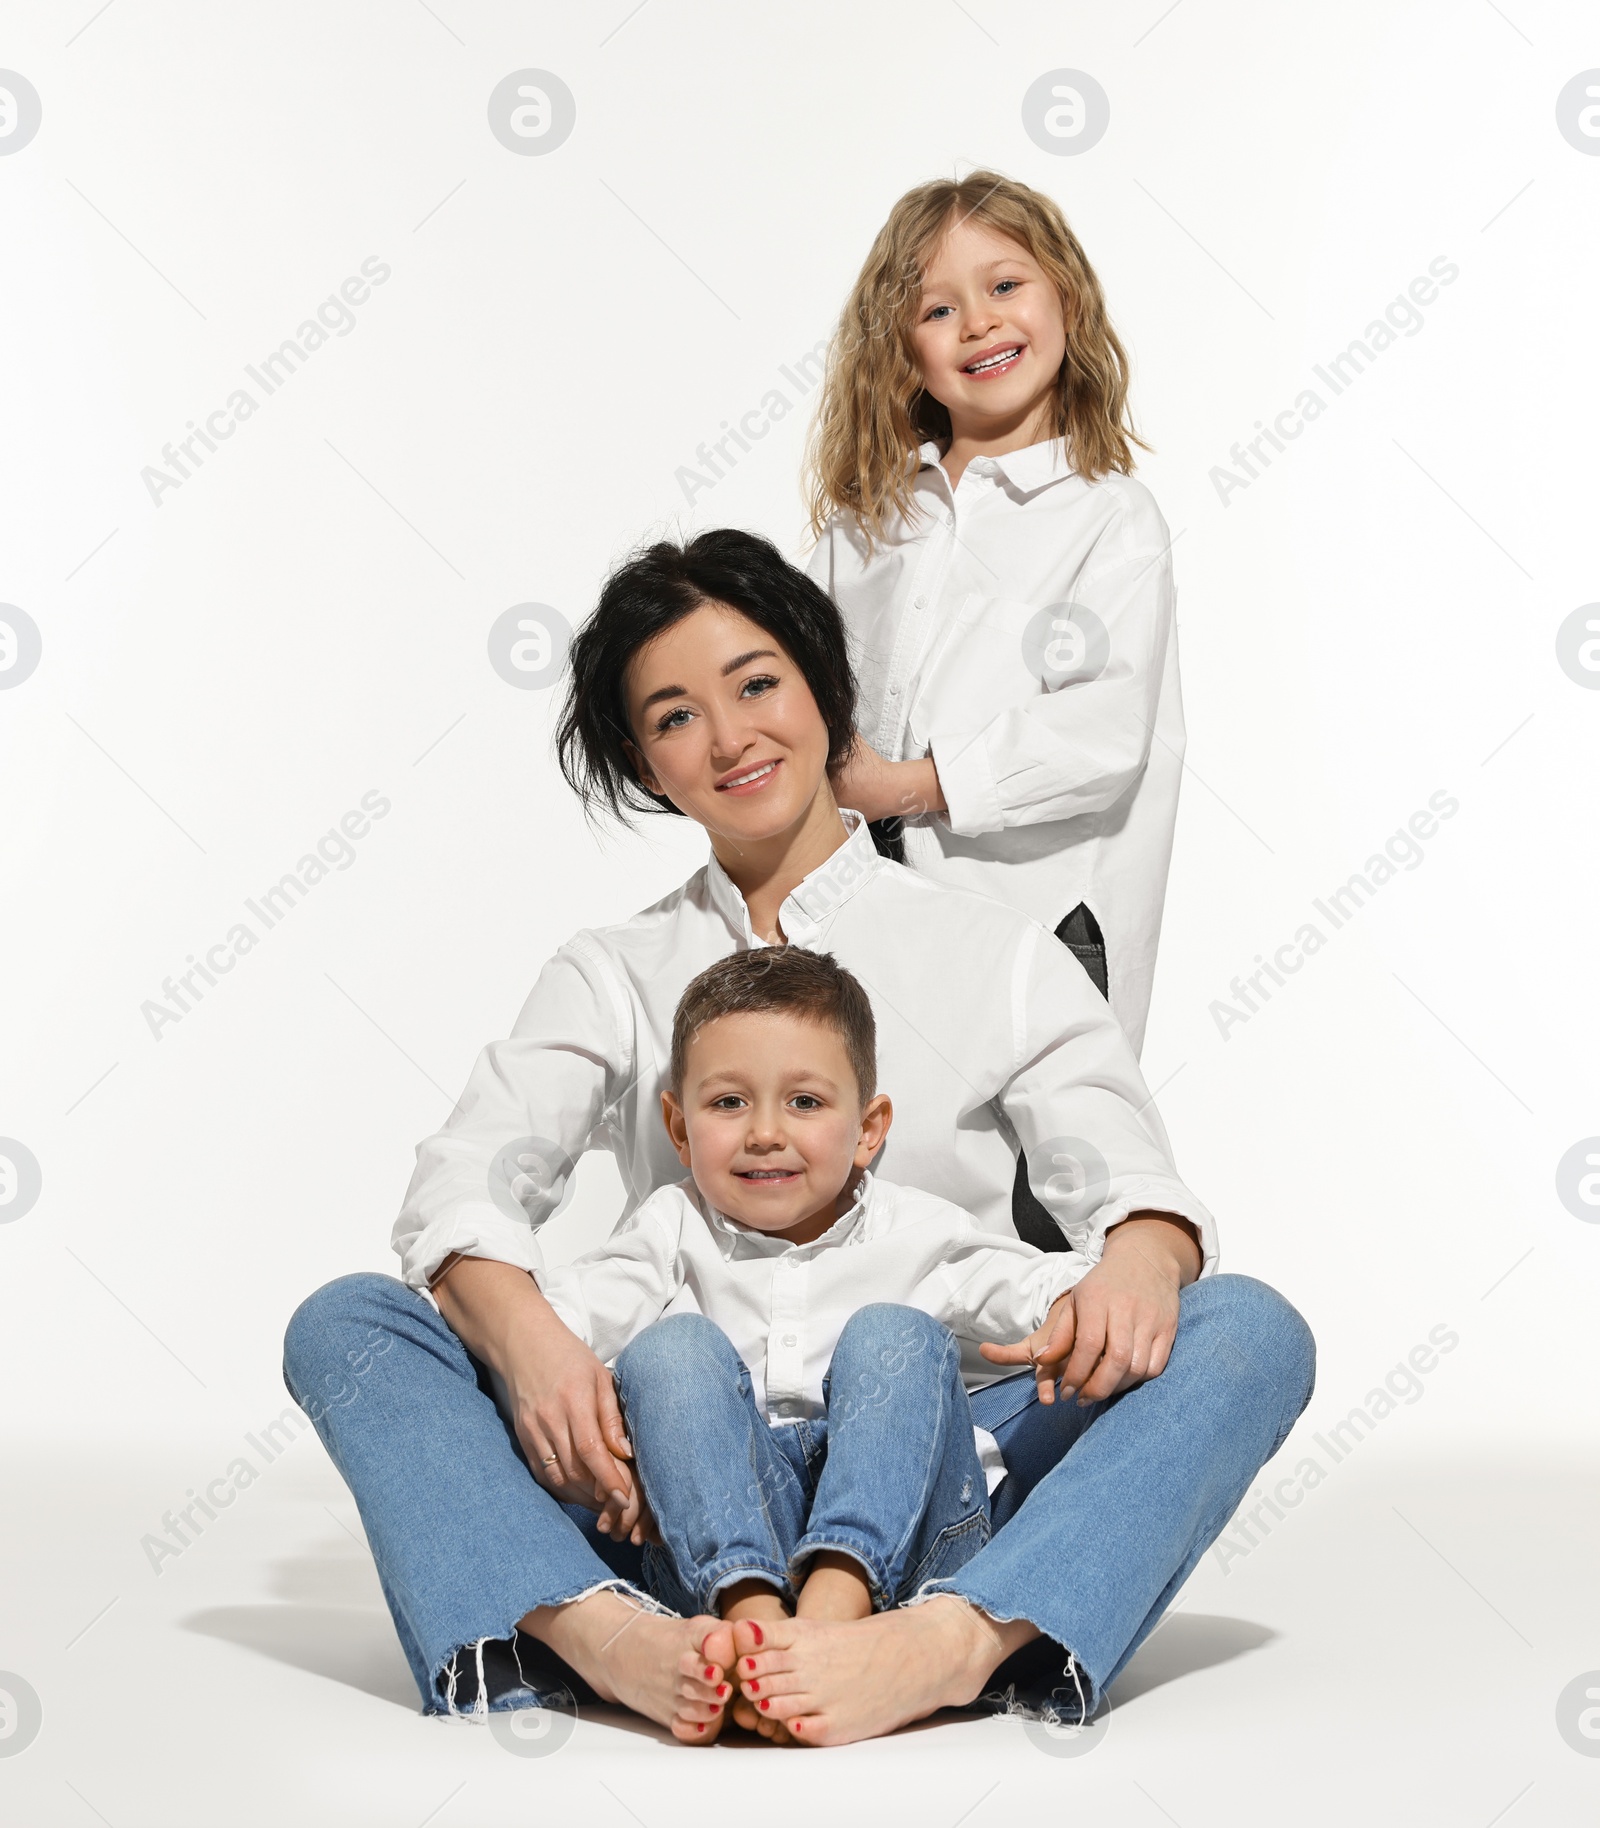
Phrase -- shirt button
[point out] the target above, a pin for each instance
(789, 1339)
(894, 691)
(920, 602)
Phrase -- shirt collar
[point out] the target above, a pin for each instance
(815, 898)
(1026, 470)
(734, 1239)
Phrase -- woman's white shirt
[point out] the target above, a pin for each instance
(990, 1037)
(783, 1306)
(1019, 629)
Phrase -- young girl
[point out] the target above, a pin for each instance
(1006, 583)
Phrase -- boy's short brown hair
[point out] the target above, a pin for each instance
(787, 979)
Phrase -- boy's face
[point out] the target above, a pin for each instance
(770, 1123)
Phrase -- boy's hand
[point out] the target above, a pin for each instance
(1116, 1327)
(631, 1519)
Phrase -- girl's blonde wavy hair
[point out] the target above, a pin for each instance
(874, 411)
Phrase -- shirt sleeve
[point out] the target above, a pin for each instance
(1077, 1078)
(996, 1288)
(1079, 748)
(611, 1295)
(487, 1181)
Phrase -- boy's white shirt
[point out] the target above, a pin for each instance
(990, 1037)
(783, 1306)
(1054, 796)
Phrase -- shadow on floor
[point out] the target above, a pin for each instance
(327, 1617)
(1184, 1643)
(355, 1647)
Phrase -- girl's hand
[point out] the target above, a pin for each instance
(879, 789)
(1116, 1327)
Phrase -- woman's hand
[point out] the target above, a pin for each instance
(1115, 1328)
(562, 1401)
(879, 789)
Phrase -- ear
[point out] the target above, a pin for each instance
(677, 1127)
(646, 779)
(875, 1121)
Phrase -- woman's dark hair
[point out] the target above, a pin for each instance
(646, 596)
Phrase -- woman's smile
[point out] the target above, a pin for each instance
(750, 780)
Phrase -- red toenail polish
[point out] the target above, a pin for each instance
(700, 1729)
(796, 1726)
(755, 1689)
(750, 1663)
(722, 1689)
(710, 1672)
(761, 1636)
(765, 1705)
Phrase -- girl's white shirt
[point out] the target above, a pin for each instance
(1059, 753)
(990, 1038)
(783, 1306)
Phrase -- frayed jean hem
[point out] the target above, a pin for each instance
(460, 1677)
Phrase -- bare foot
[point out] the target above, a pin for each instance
(832, 1683)
(674, 1671)
(835, 1588)
(755, 1604)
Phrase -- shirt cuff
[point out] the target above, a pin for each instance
(966, 779)
(470, 1231)
(1164, 1199)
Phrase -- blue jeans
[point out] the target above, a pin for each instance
(1103, 1514)
(889, 1477)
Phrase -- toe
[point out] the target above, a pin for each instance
(743, 1713)
(716, 1647)
(751, 1636)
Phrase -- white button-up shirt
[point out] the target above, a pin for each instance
(783, 1306)
(990, 1036)
(1019, 629)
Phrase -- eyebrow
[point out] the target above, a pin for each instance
(732, 666)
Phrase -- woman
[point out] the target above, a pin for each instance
(712, 681)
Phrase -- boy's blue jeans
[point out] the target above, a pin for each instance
(889, 1477)
(1103, 1514)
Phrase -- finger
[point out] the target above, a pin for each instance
(543, 1458)
(612, 1430)
(589, 1453)
(1160, 1352)
(1087, 1346)
(1006, 1355)
(1110, 1375)
(1057, 1334)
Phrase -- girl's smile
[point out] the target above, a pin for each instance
(1001, 359)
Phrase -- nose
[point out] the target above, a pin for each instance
(730, 735)
(764, 1133)
(978, 318)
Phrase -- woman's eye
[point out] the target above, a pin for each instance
(674, 720)
(753, 688)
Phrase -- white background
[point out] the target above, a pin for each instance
(1370, 621)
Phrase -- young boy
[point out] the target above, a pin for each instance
(794, 1340)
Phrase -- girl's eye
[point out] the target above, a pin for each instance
(753, 688)
(674, 720)
(933, 315)
(1008, 285)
